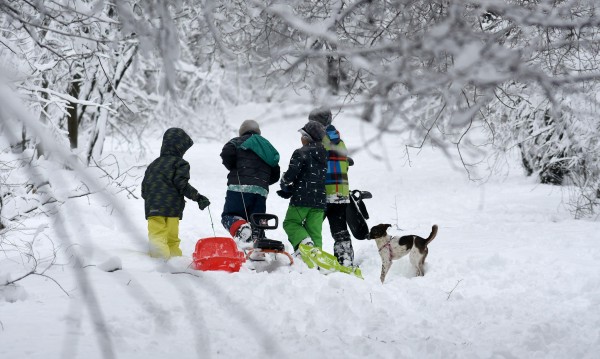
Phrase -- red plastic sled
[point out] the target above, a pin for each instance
(218, 253)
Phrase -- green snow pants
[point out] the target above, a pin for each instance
(303, 222)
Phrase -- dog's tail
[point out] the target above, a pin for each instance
(434, 229)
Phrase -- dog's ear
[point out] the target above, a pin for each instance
(379, 230)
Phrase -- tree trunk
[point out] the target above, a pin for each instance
(73, 119)
(333, 74)
(23, 139)
(98, 134)
(43, 116)
(2, 226)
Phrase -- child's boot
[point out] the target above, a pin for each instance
(343, 251)
(242, 233)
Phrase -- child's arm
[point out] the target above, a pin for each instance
(181, 179)
(294, 169)
(275, 174)
(228, 155)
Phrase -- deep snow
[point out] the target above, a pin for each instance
(510, 274)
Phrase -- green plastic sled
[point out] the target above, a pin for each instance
(325, 262)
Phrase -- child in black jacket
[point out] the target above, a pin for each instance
(253, 165)
(304, 182)
(164, 187)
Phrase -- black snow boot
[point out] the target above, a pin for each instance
(342, 249)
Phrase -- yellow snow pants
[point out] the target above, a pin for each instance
(163, 233)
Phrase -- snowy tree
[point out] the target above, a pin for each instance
(439, 69)
(526, 72)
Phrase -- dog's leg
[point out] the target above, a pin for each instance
(416, 259)
(385, 264)
(422, 263)
(420, 272)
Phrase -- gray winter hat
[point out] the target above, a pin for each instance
(322, 115)
(249, 126)
(313, 131)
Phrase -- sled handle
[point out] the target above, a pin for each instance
(359, 195)
(261, 220)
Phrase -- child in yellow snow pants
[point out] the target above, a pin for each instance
(164, 187)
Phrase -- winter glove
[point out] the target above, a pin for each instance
(285, 186)
(284, 194)
(203, 202)
(350, 161)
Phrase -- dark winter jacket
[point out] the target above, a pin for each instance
(305, 177)
(166, 179)
(246, 167)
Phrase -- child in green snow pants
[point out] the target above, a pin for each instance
(304, 184)
(303, 222)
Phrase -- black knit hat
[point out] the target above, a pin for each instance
(249, 126)
(322, 115)
(313, 131)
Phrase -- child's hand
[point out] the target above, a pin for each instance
(203, 202)
(284, 194)
(285, 186)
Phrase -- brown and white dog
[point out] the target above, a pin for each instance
(392, 248)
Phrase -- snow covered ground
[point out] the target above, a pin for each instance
(510, 274)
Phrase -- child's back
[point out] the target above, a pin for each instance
(307, 170)
(164, 187)
(166, 179)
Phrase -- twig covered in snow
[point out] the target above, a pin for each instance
(31, 259)
(119, 178)
(450, 292)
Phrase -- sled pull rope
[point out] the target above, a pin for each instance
(211, 221)
(242, 193)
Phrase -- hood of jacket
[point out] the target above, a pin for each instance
(175, 142)
(333, 134)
